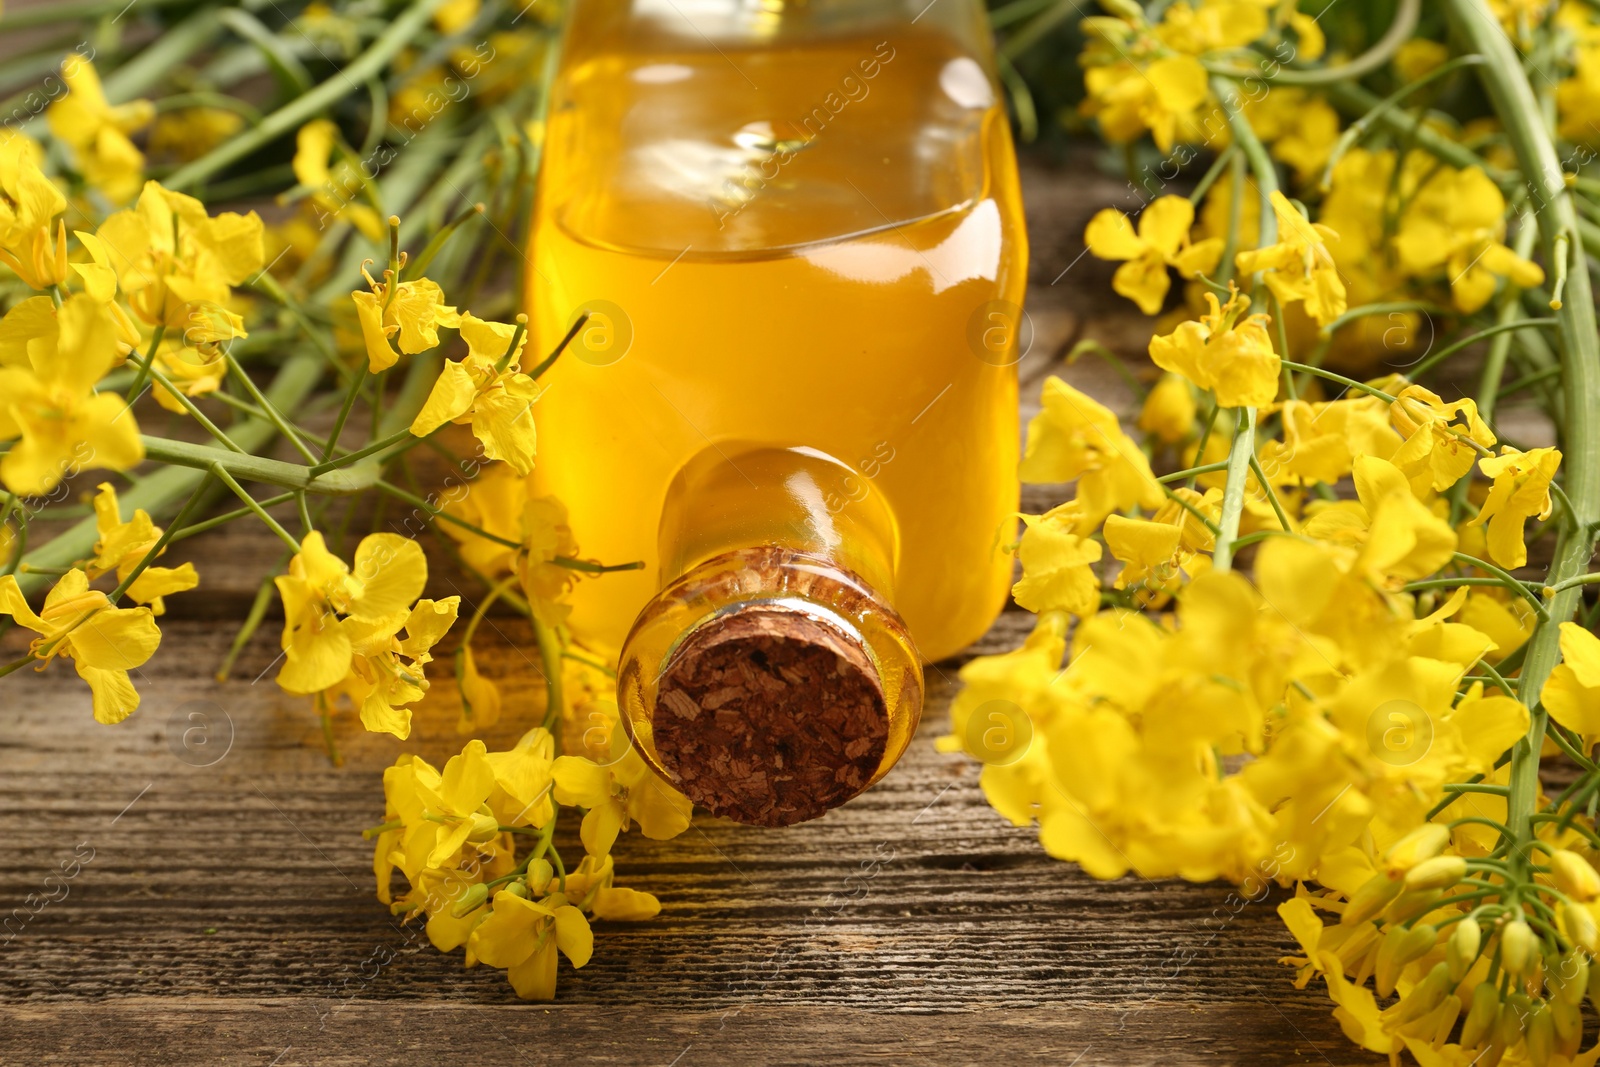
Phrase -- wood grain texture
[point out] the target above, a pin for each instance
(223, 909)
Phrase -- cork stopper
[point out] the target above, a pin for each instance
(770, 716)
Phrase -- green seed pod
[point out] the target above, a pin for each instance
(1517, 947)
(1373, 896)
(1462, 948)
(1441, 872)
(1574, 875)
(1481, 1015)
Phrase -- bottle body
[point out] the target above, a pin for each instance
(795, 231)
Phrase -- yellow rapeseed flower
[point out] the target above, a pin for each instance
(1299, 266)
(29, 203)
(1226, 352)
(50, 405)
(123, 545)
(1160, 97)
(389, 574)
(487, 391)
(98, 133)
(1057, 567)
(1455, 225)
(1572, 692)
(1077, 437)
(1521, 491)
(617, 796)
(412, 317)
(522, 936)
(1162, 241)
(103, 642)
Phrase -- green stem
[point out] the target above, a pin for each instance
(164, 490)
(1383, 49)
(1349, 383)
(291, 116)
(250, 502)
(1449, 350)
(1240, 453)
(1518, 110)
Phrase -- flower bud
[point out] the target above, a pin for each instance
(1373, 896)
(1540, 1035)
(1399, 947)
(1574, 876)
(1578, 923)
(1514, 1012)
(1423, 843)
(1412, 905)
(539, 874)
(474, 898)
(1126, 9)
(484, 828)
(1441, 872)
(1115, 31)
(1517, 944)
(1481, 1015)
(1462, 949)
(518, 889)
(1568, 1022)
(1414, 407)
(1568, 977)
(1425, 995)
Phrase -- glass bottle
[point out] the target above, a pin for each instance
(795, 229)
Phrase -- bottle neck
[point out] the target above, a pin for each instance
(728, 499)
(771, 679)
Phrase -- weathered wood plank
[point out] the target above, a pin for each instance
(223, 910)
(247, 879)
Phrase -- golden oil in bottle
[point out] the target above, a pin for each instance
(796, 233)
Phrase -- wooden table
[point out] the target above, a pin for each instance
(224, 913)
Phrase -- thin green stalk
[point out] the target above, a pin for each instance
(1272, 496)
(194, 411)
(1350, 383)
(1240, 454)
(272, 414)
(1178, 476)
(1449, 350)
(250, 502)
(1383, 49)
